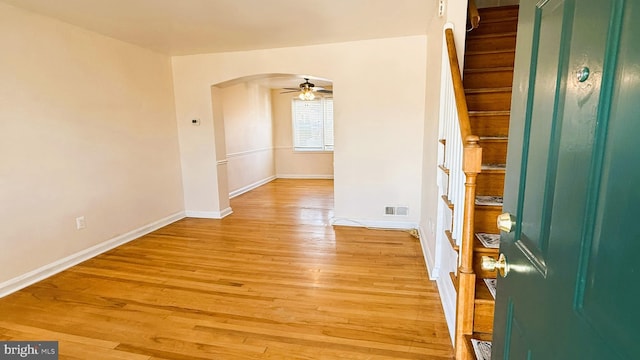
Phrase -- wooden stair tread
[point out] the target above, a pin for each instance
(452, 241)
(490, 69)
(488, 90)
(443, 168)
(490, 36)
(494, 138)
(494, 168)
(481, 336)
(483, 295)
(495, 20)
(483, 52)
(489, 113)
(447, 201)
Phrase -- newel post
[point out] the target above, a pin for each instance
(471, 165)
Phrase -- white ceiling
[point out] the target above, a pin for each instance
(184, 27)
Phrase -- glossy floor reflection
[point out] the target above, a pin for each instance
(273, 280)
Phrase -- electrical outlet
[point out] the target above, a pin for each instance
(441, 8)
(80, 223)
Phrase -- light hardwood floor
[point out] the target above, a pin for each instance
(273, 280)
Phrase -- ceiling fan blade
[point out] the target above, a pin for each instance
(289, 91)
(325, 91)
(293, 89)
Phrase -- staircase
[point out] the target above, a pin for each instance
(487, 80)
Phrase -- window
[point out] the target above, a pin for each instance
(312, 124)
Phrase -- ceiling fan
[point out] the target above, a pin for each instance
(307, 90)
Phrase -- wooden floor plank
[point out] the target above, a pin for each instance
(271, 281)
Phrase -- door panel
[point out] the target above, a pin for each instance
(573, 183)
(607, 288)
(516, 339)
(540, 124)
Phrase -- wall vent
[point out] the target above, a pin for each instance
(396, 210)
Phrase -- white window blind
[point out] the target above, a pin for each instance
(312, 124)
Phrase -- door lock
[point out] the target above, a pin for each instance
(506, 222)
(500, 265)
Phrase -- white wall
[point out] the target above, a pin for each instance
(379, 92)
(248, 130)
(87, 128)
(289, 163)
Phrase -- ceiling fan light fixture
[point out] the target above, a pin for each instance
(306, 94)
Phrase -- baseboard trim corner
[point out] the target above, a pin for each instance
(250, 187)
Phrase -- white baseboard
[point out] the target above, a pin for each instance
(429, 258)
(302, 176)
(209, 214)
(448, 299)
(226, 212)
(250, 187)
(399, 225)
(43, 272)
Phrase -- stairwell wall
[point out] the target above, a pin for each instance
(440, 258)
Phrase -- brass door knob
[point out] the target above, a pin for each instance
(506, 222)
(500, 265)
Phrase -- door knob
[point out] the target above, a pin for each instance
(500, 265)
(506, 222)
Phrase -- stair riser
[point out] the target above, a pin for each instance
(488, 79)
(490, 184)
(485, 219)
(489, 101)
(495, 27)
(503, 42)
(494, 152)
(492, 13)
(489, 60)
(491, 125)
(483, 318)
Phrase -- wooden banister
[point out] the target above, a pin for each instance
(474, 15)
(458, 88)
(471, 166)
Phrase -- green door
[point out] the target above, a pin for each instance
(573, 185)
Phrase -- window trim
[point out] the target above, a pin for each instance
(315, 150)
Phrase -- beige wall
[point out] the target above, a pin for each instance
(289, 163)
(87, 128)
(248, 129)
(379, 131)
